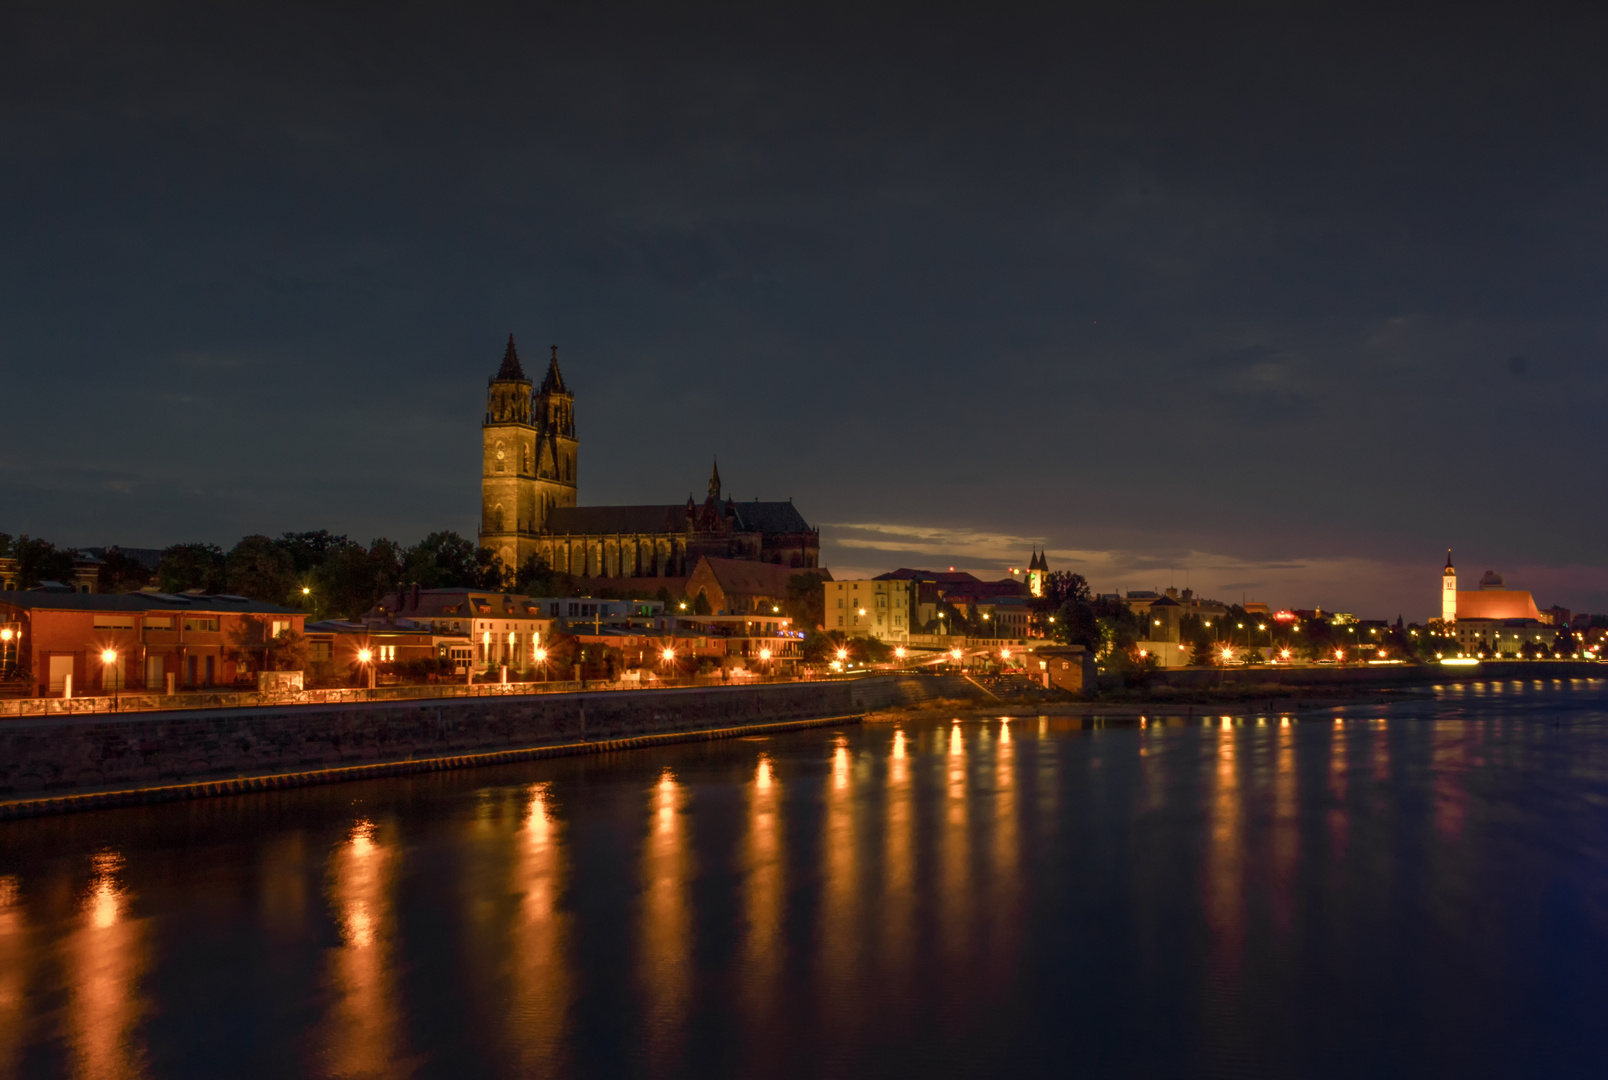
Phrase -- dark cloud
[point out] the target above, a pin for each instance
(1220, 278)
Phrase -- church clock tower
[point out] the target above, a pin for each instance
(509, 446)
(1449, 590)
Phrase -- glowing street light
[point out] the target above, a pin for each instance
(843, 654)
(667, 655)
(366, 658)
(899, 653)
(1228, 653)
(109, 658)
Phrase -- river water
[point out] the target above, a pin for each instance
(1416, 890)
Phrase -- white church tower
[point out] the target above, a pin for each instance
(1449, 590)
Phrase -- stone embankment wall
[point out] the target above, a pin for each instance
(66, 755)
(1383, 675)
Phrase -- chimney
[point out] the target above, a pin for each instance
(415, 596)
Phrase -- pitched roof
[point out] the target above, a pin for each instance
(510, 370)
(554, 382)
(743, 577)
(760, 517)
(140, 601)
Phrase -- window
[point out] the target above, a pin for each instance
(840, 604)
(204, 625)
(320, 652)
(840, 620)
(158, 622)
(387, 653)
(114, 622)
(281, 626)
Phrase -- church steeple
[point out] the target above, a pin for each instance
(554, 382)
(714, 482)
(510, 370)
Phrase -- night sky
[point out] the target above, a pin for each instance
(1278, 301)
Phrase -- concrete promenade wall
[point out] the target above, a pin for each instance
(50, 756)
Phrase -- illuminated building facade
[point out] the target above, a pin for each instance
(1449, 590)
(528, 486)
(879, 609)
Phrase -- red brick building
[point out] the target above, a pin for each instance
(134, 641)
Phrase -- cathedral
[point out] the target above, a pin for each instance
(528, 500)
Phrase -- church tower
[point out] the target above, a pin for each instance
(508, 504)
(1449, 590)
(1037, 569)
(559, 450)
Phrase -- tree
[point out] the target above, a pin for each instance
(120, 573)
(1062, 587)
(252, 640)
(191, 566)
(40, 560)
(352, 578)
(536, 578)
(260, 568)
(309, 549)
(700, 604)
(805, 603)
(443, 560)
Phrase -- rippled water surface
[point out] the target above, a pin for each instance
(1412, 891)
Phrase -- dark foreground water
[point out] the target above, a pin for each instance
(1411, 892)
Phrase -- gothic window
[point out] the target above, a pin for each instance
(499, 519)
(500, 456)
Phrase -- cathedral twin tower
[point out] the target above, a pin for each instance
(528, 501)
(530, 450)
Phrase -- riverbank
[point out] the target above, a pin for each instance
(62, 764)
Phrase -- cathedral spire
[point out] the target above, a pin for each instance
(510, 370)
(554, 383)
(714, 482)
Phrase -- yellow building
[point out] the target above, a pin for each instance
(875, 609)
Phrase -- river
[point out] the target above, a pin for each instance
(1405, 891)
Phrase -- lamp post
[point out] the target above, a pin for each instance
(108, 662)
(541, 661)
(764, 656)
(366, 658)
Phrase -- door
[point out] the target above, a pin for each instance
(153, 673)
(60, 668)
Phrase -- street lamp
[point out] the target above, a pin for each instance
(366, 658)
(109, 658)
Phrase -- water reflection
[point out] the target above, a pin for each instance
(764, 894)
(14, 956)
(538, 1013)
(1286, 830)
(666, 925)
(840, 916)
(362, 1034)
(1225, 902)
(898, 872)
(955, 856)
(105, 960)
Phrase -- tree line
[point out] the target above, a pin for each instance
(326, 573)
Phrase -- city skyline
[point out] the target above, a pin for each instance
(1293, 344)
